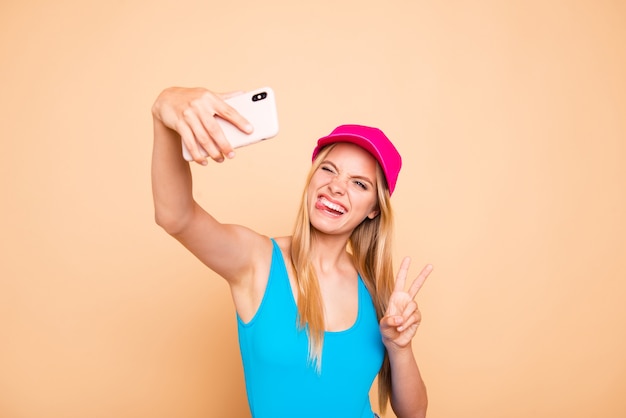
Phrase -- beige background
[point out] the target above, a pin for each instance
(510, 115)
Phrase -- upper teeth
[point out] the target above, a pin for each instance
(332, 205)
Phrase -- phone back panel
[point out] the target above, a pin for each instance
(259, 108)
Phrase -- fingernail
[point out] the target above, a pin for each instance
(231, 154)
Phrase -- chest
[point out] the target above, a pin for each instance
(274, 341)
(352, 336)
(340, 301)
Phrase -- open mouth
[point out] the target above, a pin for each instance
(330, 207)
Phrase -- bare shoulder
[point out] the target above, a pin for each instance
(284, 243)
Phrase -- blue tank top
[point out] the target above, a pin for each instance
(280, 381)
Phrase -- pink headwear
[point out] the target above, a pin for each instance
(372, 140)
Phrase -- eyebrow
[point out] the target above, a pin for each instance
(362, 178)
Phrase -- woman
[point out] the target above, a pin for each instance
(319, 314)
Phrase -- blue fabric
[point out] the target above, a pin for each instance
(280, 382)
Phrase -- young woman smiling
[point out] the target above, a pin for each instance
(319, 312)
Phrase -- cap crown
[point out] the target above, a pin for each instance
(372, 140)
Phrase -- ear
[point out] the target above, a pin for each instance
(373, 214)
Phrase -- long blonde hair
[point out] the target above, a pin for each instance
(370, 245)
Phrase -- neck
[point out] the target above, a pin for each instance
(328, 253)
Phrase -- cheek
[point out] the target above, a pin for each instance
(311, 192)
(373, 205)
(317, 182)
(311, 188)
(368, 204)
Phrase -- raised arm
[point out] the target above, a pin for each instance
(398, 327)
(232, 251)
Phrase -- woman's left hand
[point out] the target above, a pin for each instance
(402, 318)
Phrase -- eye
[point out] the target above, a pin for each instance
(327, 168)
(360, 184)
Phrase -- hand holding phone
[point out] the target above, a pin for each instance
(259, 108)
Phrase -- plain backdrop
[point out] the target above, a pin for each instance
(511, 119)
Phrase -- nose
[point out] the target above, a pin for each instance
(338, 185)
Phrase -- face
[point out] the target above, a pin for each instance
(342, 191)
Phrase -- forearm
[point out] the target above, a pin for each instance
(408, 392)
(171, 179)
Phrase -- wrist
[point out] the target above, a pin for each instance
(397, 350)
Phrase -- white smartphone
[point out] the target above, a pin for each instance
(259, 108)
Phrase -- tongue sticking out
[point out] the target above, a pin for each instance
(329, 207)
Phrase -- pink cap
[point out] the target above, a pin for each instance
(372, 140)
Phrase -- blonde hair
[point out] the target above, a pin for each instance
(370, 245)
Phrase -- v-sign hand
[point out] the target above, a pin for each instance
(402, 318)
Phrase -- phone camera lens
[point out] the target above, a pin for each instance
(259, 96)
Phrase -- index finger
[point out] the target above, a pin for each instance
(419, 280)
(213, 108)
(232, 115)
(402, 273)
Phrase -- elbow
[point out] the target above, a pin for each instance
(416, 411)
(170, 223)
(421, 409)
(419, 413)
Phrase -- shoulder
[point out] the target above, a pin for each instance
(284, 243)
